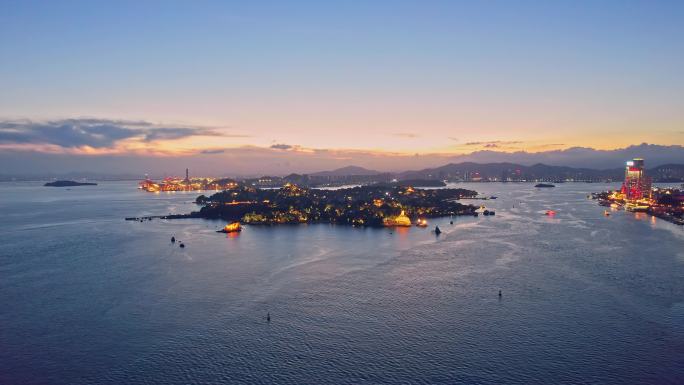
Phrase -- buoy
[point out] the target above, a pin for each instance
(182, 245)
(499, 293)
(173, 239)
(268, 317)
(451, 222)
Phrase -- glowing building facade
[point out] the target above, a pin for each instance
(637, 185)
(400, 220)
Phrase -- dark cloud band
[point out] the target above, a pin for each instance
(96, 133)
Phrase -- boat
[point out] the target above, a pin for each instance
(232, 227)
(636, 207)
(421, 222)
(606, 212)
(437, 230)
(550, 213)
(493, 197)
(543, 185)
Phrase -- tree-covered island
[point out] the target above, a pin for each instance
(359, 206)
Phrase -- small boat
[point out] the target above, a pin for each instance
(182, 245)
(486, 213)
(542, 185)
(636, 207)
(421, 222)
(173, 239)
(550, 213)
(493, 197)
(606, 212)
(233, 227)
(437, 230)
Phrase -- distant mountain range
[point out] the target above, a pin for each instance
(581, 157)
(512, 172)
(462, 171)
(471, 171)
(346, 171)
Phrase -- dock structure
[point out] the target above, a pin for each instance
(150, 217)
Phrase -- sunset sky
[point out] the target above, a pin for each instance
(382, 78)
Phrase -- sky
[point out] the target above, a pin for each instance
(380, 83)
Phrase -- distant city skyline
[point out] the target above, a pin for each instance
(307, 86)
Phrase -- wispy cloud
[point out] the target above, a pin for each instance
(409, 135)
(213, 151)
(94, 133)
(494, 143)
(281, 146)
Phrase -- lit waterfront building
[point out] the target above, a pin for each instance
(400, 220)
(637, 185)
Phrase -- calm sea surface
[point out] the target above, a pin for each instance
(88, 298)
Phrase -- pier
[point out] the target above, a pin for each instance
(151, 217)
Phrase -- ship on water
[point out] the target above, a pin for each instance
(232, 227)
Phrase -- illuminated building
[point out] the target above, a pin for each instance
(637, 185)
(399, 220)
(148, 185)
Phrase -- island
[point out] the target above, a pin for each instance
(68, 183)
(543, 185)
(375, 206)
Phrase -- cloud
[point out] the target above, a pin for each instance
(406, 135)
(494, 143)
(177, 133)
(255, 161)
(213, 152)
(91, 132)
(281, 146)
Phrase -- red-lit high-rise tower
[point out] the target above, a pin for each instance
(636, 185)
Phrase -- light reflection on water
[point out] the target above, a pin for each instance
(90, 298)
